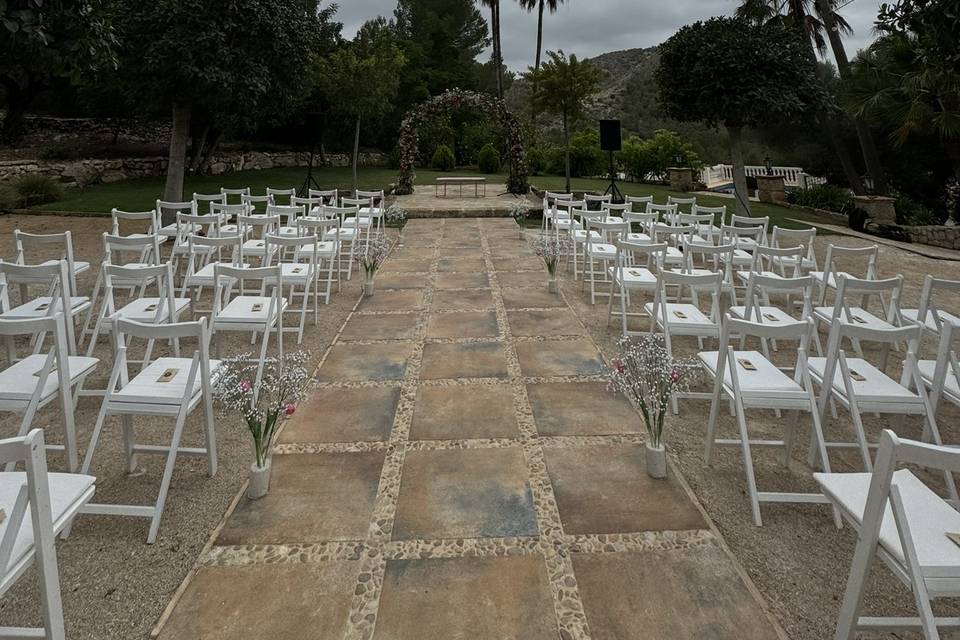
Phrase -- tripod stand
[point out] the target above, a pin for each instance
(309, 181)
(613, 190)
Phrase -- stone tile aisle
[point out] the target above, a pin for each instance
(461, 472)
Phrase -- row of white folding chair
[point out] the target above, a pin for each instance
(39, 505)
(163, 387)
(29, 384)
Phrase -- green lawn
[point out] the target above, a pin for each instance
(140, 194)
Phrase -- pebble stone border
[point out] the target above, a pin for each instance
(552, 544)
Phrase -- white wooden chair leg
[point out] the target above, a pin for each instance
(129, 442)
(748, 463)
(167, 475)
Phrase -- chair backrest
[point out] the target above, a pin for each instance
(735, 329)
(769, 258)
(54, 277)
(735, 233)
(253, 223)
(288, 213)
(612, 230)
(835, 252)
(552, 196)
(61, 243)
(599, 201)
(750, 221)
(309, 203)
(147, 220)
(33, 494)
(226, 277)
(229, 212)
(863, 290)
(203, 248)
(702, 221)
(295, 248)
(639, 202)
(614, 209)
(667, 212)
(675, 234)
(712, 283)
(188, 224)
(716, 257)
(167, 211)
(256, 201)
(570, 206)
(782, 237)
(720, 213)
(683, 202)
(238, 193)
(280, 194)
(931, 300)
(329, 196)
(376, 197)
(757, 284)
(632, 254)
(200, 365)
(319, 226)
(204, 200)
(144, 249)
(644, 219)
(344, 213)
(162, 274)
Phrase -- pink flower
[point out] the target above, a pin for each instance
(245, 385)
(619, 366)
(675, 376)
(289, 409)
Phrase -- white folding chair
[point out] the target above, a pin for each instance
(602, 250)
(690, 203)
(256, 202)
(597, 203)
(164, 308)
(145, 221)
(348, 236)
(253, 314)
(550, 209)
(645, 222)
(908, 526)
(802, 238)
(229, 214)
(858, 314)
(674, 236)
(288, 214)
(167, 216)
(61, 244)
(930, 313)
(719, 215)
(164, 387)
(757, 307)
(745, 239)
(204, 254)
(204, 201)
(827, 279)
(616, 212)
(55, 281)
(234, 193)
(326, 236)
(279, 194)
(667, 212)
(376, 209)
(328, 196)
(639, 203)
(748, 243)
(29, 384)
(297, 258)
(39, 505)
(633, 271)
(715, 259)
(862, 388)
(254, 229)
(942, 376)
(751, 381)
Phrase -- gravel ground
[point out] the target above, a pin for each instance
(115, 585)
(798, 559)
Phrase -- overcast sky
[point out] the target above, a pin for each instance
(591, 27)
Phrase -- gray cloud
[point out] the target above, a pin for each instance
(591, 27)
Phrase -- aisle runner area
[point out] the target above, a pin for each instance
(462, 471)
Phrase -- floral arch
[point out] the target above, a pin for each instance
(454, 99)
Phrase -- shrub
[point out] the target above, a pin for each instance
(586, 158)
(909, 211)
(641, 157)
(443, 159)
(488, 160)
(822, 196)
(536, 160)
(36, 189)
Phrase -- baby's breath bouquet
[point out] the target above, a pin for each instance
(397, 216)
(644, 372)
(261, 403)
(550, 249)
(519, 210)
(372, 259)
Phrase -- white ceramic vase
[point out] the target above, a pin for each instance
(656, 462)
(259, 480)
(552, 285)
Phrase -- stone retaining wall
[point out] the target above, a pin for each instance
(81, 173)
(935, 235)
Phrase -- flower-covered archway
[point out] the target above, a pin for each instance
(455, 99)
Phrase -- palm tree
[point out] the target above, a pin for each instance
(821, 23)
(497, 50)
(541, 5)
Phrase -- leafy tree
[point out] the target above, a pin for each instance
(562, 87)
(241, 62)
(43, 40)
(497, 47)
(362, 78)
(739, 74)
(641, 157)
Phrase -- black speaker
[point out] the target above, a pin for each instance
(610, 135)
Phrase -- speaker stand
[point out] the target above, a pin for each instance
(613, 190)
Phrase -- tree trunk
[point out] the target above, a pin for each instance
(176, 163)
(356, 155)
(741, 194)
(843, 154)
(871, 157)
(497, 53)
(207, 159)
(536, 64)
(566, 151)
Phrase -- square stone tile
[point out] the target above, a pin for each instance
(469, 265)
(537, 279)
(690, 593)
(559, 358)
(358, 362)
(531, 297)
(463, 299)
(464, 493)
(407, 265)
(408, 300)
(499, 598)
(471, 249)
(468, 360)
(386, 281)
(545, 322)
(408, 251)
(581, 409)
(463, 324)
(313, 497)
(304, 600)
(606, 489)
(527, 263)
(464, 412)
(461, 280)
(396, 326)
(343, 415)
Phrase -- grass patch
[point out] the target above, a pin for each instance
(140, 194)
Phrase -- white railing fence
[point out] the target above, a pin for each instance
(720, 174)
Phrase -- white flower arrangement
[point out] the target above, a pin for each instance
(376, 252)
(550, 249)
(396, 215)
(645, 372)
(282, 385)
